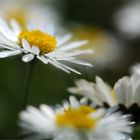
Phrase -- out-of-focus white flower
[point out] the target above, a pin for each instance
(75, 121)
(126, 91)
(31, 12)
(42, 44)
(99, 92)
(107, 47)
(135, 68)
(127, 19)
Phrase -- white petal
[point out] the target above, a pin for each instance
(79, 52)
(80, 62)
(8, 53)
(35, 50)
(120, 90)
(16, 27)
(73, 45)
(84, 101)
(74, 102)
(66, 104)
(65, 68)
(62, 58)
(47, 111)
(6, 31)
(57, 65)
(28, 57)
(63, 40)
(56, 54)
(69, 68)
(137, 95)
(43, 59)
(26, 45)
(105, 90)
(6, 43)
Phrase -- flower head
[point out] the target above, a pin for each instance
(128, 12)
(104, 44)
(135, 68)
(74, 120)
(45, 42)
(125, 91)
(31, 12)
(37, 43)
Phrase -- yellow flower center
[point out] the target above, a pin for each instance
(45, 42)
(77, 118)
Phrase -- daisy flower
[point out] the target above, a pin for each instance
(42, 44)
(29, 11)
(98, 92)
(125, 91)
(128, 12)
(135, 68)
(74, 121)
(106, 45)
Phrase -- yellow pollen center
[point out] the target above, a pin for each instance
(77, 118)
(45, 42)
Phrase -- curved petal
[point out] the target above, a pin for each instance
(73, 45)
(26, 45)
(16, 27)
(74, 103)
(43, 59)
(8, 53)
(35, 50)
(28, 57)
(65, 39)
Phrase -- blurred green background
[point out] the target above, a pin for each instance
(48, 85)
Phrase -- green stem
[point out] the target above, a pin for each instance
(27, 82)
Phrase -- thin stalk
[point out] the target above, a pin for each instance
(27, 82)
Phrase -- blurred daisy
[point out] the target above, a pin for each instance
(106, 46)
(127, 19)
(28, 11)
(125, 91)
(99, 92)
(135, 68)
(37, 43)
(74, 121)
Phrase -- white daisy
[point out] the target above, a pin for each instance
(123, 17)
(125, 91)
(74, 121)
(98, 92)
(135, 68)
(107, 47)
(28, 11)
(36, 43)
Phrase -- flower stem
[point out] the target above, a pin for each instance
(28, 76)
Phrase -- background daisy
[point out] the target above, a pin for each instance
(125, 93)
(75, 122)
(39, 13)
